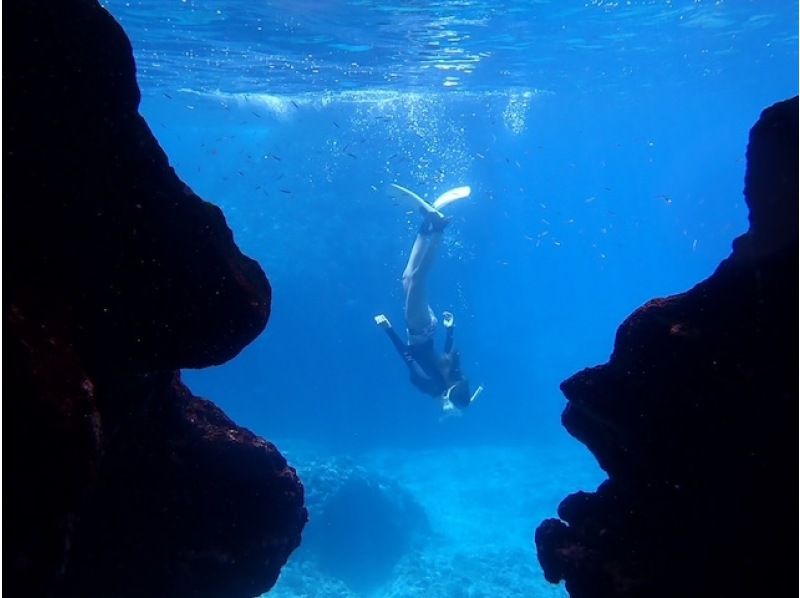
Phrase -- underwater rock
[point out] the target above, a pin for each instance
(145, 271)
(361, 524)
(186, 503)
(694, 418)
(118, 482)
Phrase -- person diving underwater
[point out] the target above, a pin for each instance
(439, 376)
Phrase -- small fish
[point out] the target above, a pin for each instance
(590, 199)
(295, 104)
(392, 157)
(240, 173)
(694, 245)
(335, 124)
(373, 187)
(274, 157)
(166, 95)
(352, 155)
(256, 114)
(286, 191)
(480, 155)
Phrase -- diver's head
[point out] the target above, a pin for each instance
(458, 394)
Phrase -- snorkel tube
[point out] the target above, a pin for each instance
(476, 394)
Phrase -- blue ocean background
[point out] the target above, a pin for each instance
(604, 143)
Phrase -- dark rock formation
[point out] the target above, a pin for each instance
(694, 418)
(118, 482)
(98, 221)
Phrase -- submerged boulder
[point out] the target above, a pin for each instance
(694, 418)
(361, 524)
(119, 482)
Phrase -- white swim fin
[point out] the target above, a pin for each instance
(422, 203)
(449, 197)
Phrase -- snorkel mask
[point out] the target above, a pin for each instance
(449, 404)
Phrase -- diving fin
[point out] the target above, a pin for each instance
(449, 197)
(426, 207)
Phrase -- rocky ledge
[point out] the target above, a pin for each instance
(694, 418)
(117, 481)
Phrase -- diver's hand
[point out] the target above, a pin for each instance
(382, 321)
(447, 319)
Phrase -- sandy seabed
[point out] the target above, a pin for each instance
(483, 504)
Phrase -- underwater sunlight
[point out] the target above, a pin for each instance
(534, 171)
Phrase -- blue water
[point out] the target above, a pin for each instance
(604, 143)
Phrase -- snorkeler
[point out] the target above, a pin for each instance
(439, 376)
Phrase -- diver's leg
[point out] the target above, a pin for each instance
(419, 318)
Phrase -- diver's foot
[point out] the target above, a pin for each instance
(433, 223)
(382, 321)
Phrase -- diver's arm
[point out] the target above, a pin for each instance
(401, 347)
(449, 325)
(448, 340)
(383, 322)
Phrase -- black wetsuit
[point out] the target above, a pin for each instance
(423, 363)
